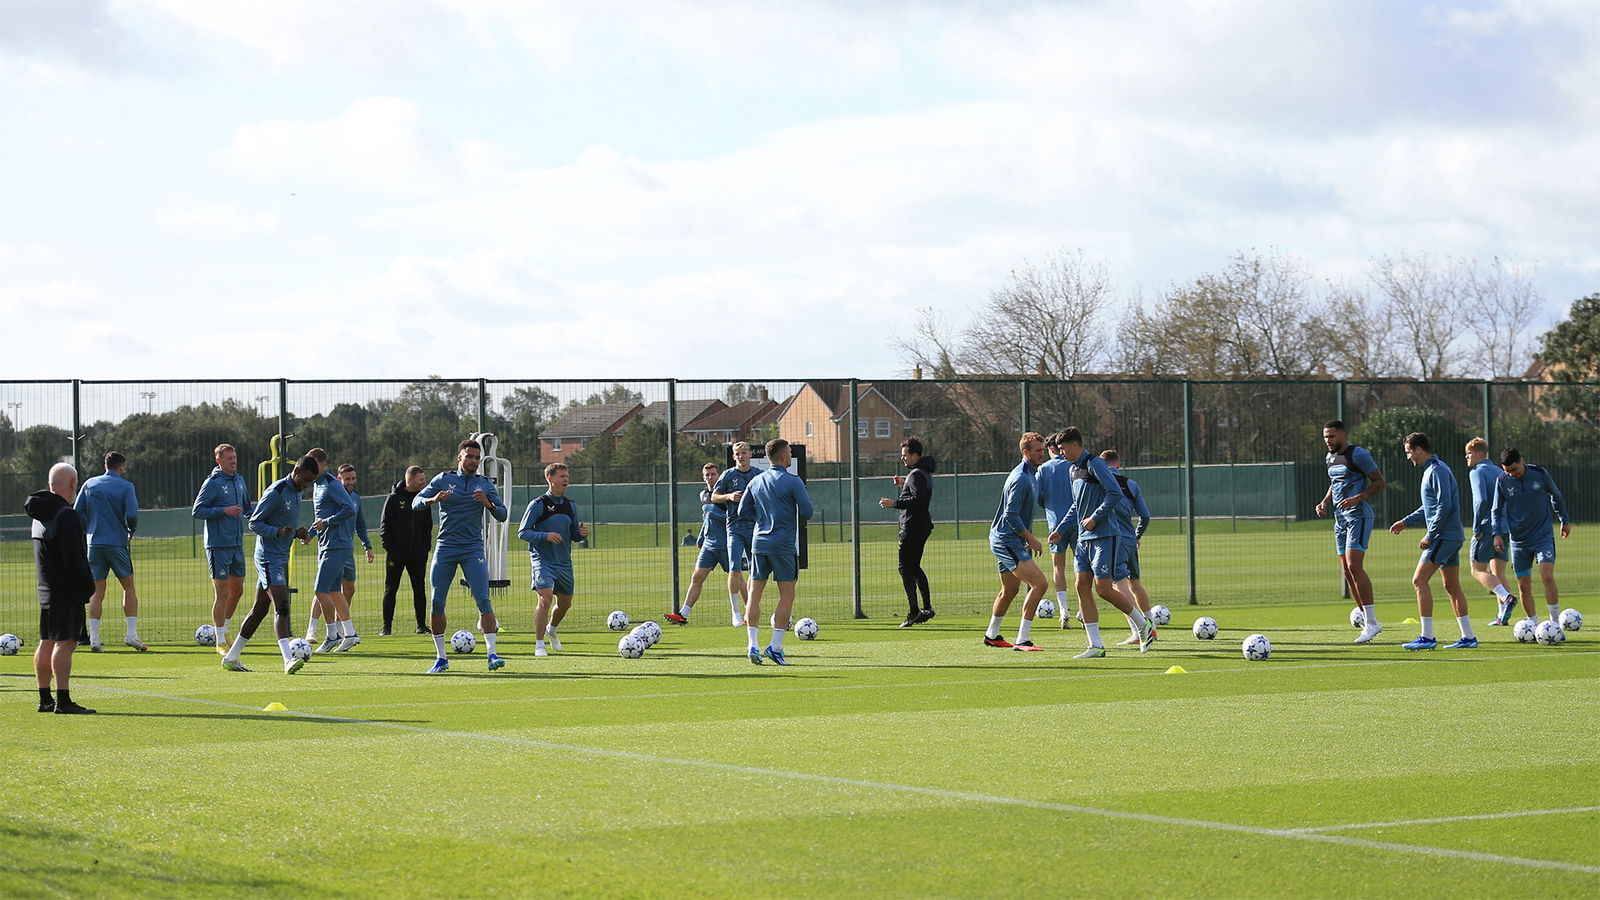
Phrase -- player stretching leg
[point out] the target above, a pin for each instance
(713, 544)
(777, 501)
(1354, 480)
(109, 508)
(1488, 563)
(462, 496)
(1132, 505)
(551, 526)
(1523, 499)
(1012, 542)
(1055, 495)
(1440, 512)
(224, 505)
(273, 522)
(729, 489)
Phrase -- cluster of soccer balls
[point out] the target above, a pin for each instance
(299, 648)
(1548, 632)
(640, 638)
(1255, 648)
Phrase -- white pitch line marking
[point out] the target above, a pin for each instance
(942, 793)
(1443, 819)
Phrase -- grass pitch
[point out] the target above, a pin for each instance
(884, 761)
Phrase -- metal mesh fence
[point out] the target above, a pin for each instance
(1232, 472)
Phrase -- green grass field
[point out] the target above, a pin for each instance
(883, 762)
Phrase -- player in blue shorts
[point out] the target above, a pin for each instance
(713, 544)
(551, 526)
(347, 477)
(1099, 561)
(778, 502)
(224, 505)
(1440, 513)
(274, 521)
(1133, 517)
(1012, 542)
(334, 527)
(1488, 564)
(729, 490)
(462, 496)
(1055, 495)
(1523, 501)
(109, 508)
(1354, 480)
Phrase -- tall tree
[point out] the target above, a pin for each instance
(1501, 302)
(1425, 296)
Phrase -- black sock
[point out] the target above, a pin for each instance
(63, 698)
(44, 695)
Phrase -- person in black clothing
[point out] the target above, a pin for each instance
(61, 557)
(407, 536)
(916, 524)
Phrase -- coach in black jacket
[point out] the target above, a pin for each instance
(407, 535)
(61, 557)
(916, 524)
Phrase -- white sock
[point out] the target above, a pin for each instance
(311, 627)
(225, 623)
(538, 644)
(349, 628)
(133, 626)
(994, 627)
(1427, 625)
(438, 644)
(1369, 615)
(94, 632)
(1137, 618)
(1555, 613)
(1023, 629)
(283, 647)
(1093, 628)
(488, 638)
(777, 638)
(1465, 623)
(237, 648)
(685, 610)
(549, 631)
(1061, 599)
(755, 635)
(1501, 593)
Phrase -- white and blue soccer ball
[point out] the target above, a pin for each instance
(463, 641)
(631, 646)
(300, 649)
(1205, 628)
(617, 621)
(1571, 620)
(1160, 615)
(1524, 632)
(1549, 633)
(773, 621)
(806, 629)
(9, 644)
(206, 635)
(1358, 619)
(1257, 647)
(650, 631)
(1047, 609)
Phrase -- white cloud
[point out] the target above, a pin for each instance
(214, 220)
(381, 142)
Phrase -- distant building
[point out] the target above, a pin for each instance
(818, 415)
(578, 425)
(745, 421)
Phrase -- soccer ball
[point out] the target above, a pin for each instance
(806, 629)
(1571, 620)
(1524, 632)
(1257, 647)
(617, 621)
(1047, 609)
(631, 646)
(773, 621)
(1205, 628)
(300, 649)
(206, 635)
(463, 641)
(1357, 618)
(1160, 615)
(1549, 633)
(650, 631)
(9, 644)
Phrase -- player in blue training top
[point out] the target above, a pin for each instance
(275, 522)
(1523, 500)
(225, 506)
(462, 497)
(109, 508)
(713, 544)
(778, 502)
(1354, 479)
(551, 526)
(1133, 517)
(1055, 495)
(347, 477)
(1012, 542)
(1440, 513)
(1099, 562)
(729, 490)
(1488, 563)
(334, 527)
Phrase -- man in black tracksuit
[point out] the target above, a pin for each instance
(407, 536)
(916, 524)
(61, 558)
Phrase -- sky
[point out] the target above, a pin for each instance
(610, 190)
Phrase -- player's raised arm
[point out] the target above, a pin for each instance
(425, 497)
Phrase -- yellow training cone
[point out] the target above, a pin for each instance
(274, 706)
(1410, 621)
(1177, 670)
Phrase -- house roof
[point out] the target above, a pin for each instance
(591, 419)
(688, 410)
(738, 417)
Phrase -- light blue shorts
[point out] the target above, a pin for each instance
(474, 569)
(775, 566)
(271, 572)
(710, 557)
(1525, 556)
(331, 567)
(559, 581)
(1103, 557)
(116, 560)
(1444, 553)
(1009, 554)
(1351, 533)
(225, 562)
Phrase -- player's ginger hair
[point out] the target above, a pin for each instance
(1027, 438)
(1478, 445)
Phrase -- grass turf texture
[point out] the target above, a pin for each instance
(884, 761)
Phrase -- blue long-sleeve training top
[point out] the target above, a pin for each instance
(218, 492)
(279, 506)
(1441, 502)
(461, 516)
(1482, 479)
(361, 521)
(731, 481)
(778, 501)
(1522, 505)
(1015, 514)
(109, 509)
(334, 506)
(1055, 490)
(1095, 495)
(1132, 507)
(1349, 470)
(548, 514)
(713, 522)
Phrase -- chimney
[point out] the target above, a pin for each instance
(761, 394)
(916, 372)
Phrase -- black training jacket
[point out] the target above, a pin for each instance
(60, 552)
(916, 494)
(405, 532)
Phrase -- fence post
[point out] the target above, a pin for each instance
(1488, 412)
(672, 483)
(594, 511)
(1027, 405)
(77, 424)
(855, 501)
(1188, 481)
(955, 492)
(655, 505)
(1338, 404)
(483, 405)
(283, 421)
